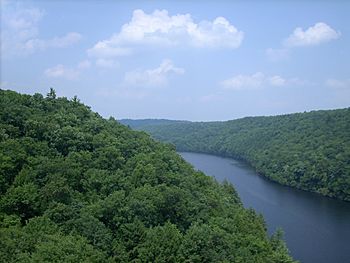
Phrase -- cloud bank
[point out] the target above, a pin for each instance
(254, 82)
(314, 35)
(161, 29)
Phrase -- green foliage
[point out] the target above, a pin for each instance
(78, 188)
(161, 244)
(309, 151)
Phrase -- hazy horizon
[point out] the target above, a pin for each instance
(140, 119)
(208, 61)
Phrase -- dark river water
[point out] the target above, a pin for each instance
(317, 229)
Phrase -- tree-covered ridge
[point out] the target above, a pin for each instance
(309, 151)
(78, 188)
(140, 123)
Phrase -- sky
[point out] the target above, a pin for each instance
(188, 60)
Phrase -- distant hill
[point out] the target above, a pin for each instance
(139, 124)
(309, 151)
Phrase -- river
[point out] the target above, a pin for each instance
(316, 228)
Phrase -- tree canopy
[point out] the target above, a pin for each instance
(75, 187)
(309, 151)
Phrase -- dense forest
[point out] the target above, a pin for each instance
(76, 187)
(139, 124)
(309, 151)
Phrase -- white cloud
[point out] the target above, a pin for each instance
(338, 84)
(60, 71)
(20, 31)
(69, 73)
(35, 44)
(152, 77)
(159, 28)
(254, 81)
(108, 49)
(315, 35)
(65, 41)
(219, 33)
(244, 81)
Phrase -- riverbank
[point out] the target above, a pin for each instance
(317, 228)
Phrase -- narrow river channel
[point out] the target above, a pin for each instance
(317, 228)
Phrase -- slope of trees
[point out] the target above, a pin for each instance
(75, 187)
(139, 124)
(309, 151)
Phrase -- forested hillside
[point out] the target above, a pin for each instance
(139, 124)
(79, 188)
(309, 151)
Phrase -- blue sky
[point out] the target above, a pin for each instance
(207, 60)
